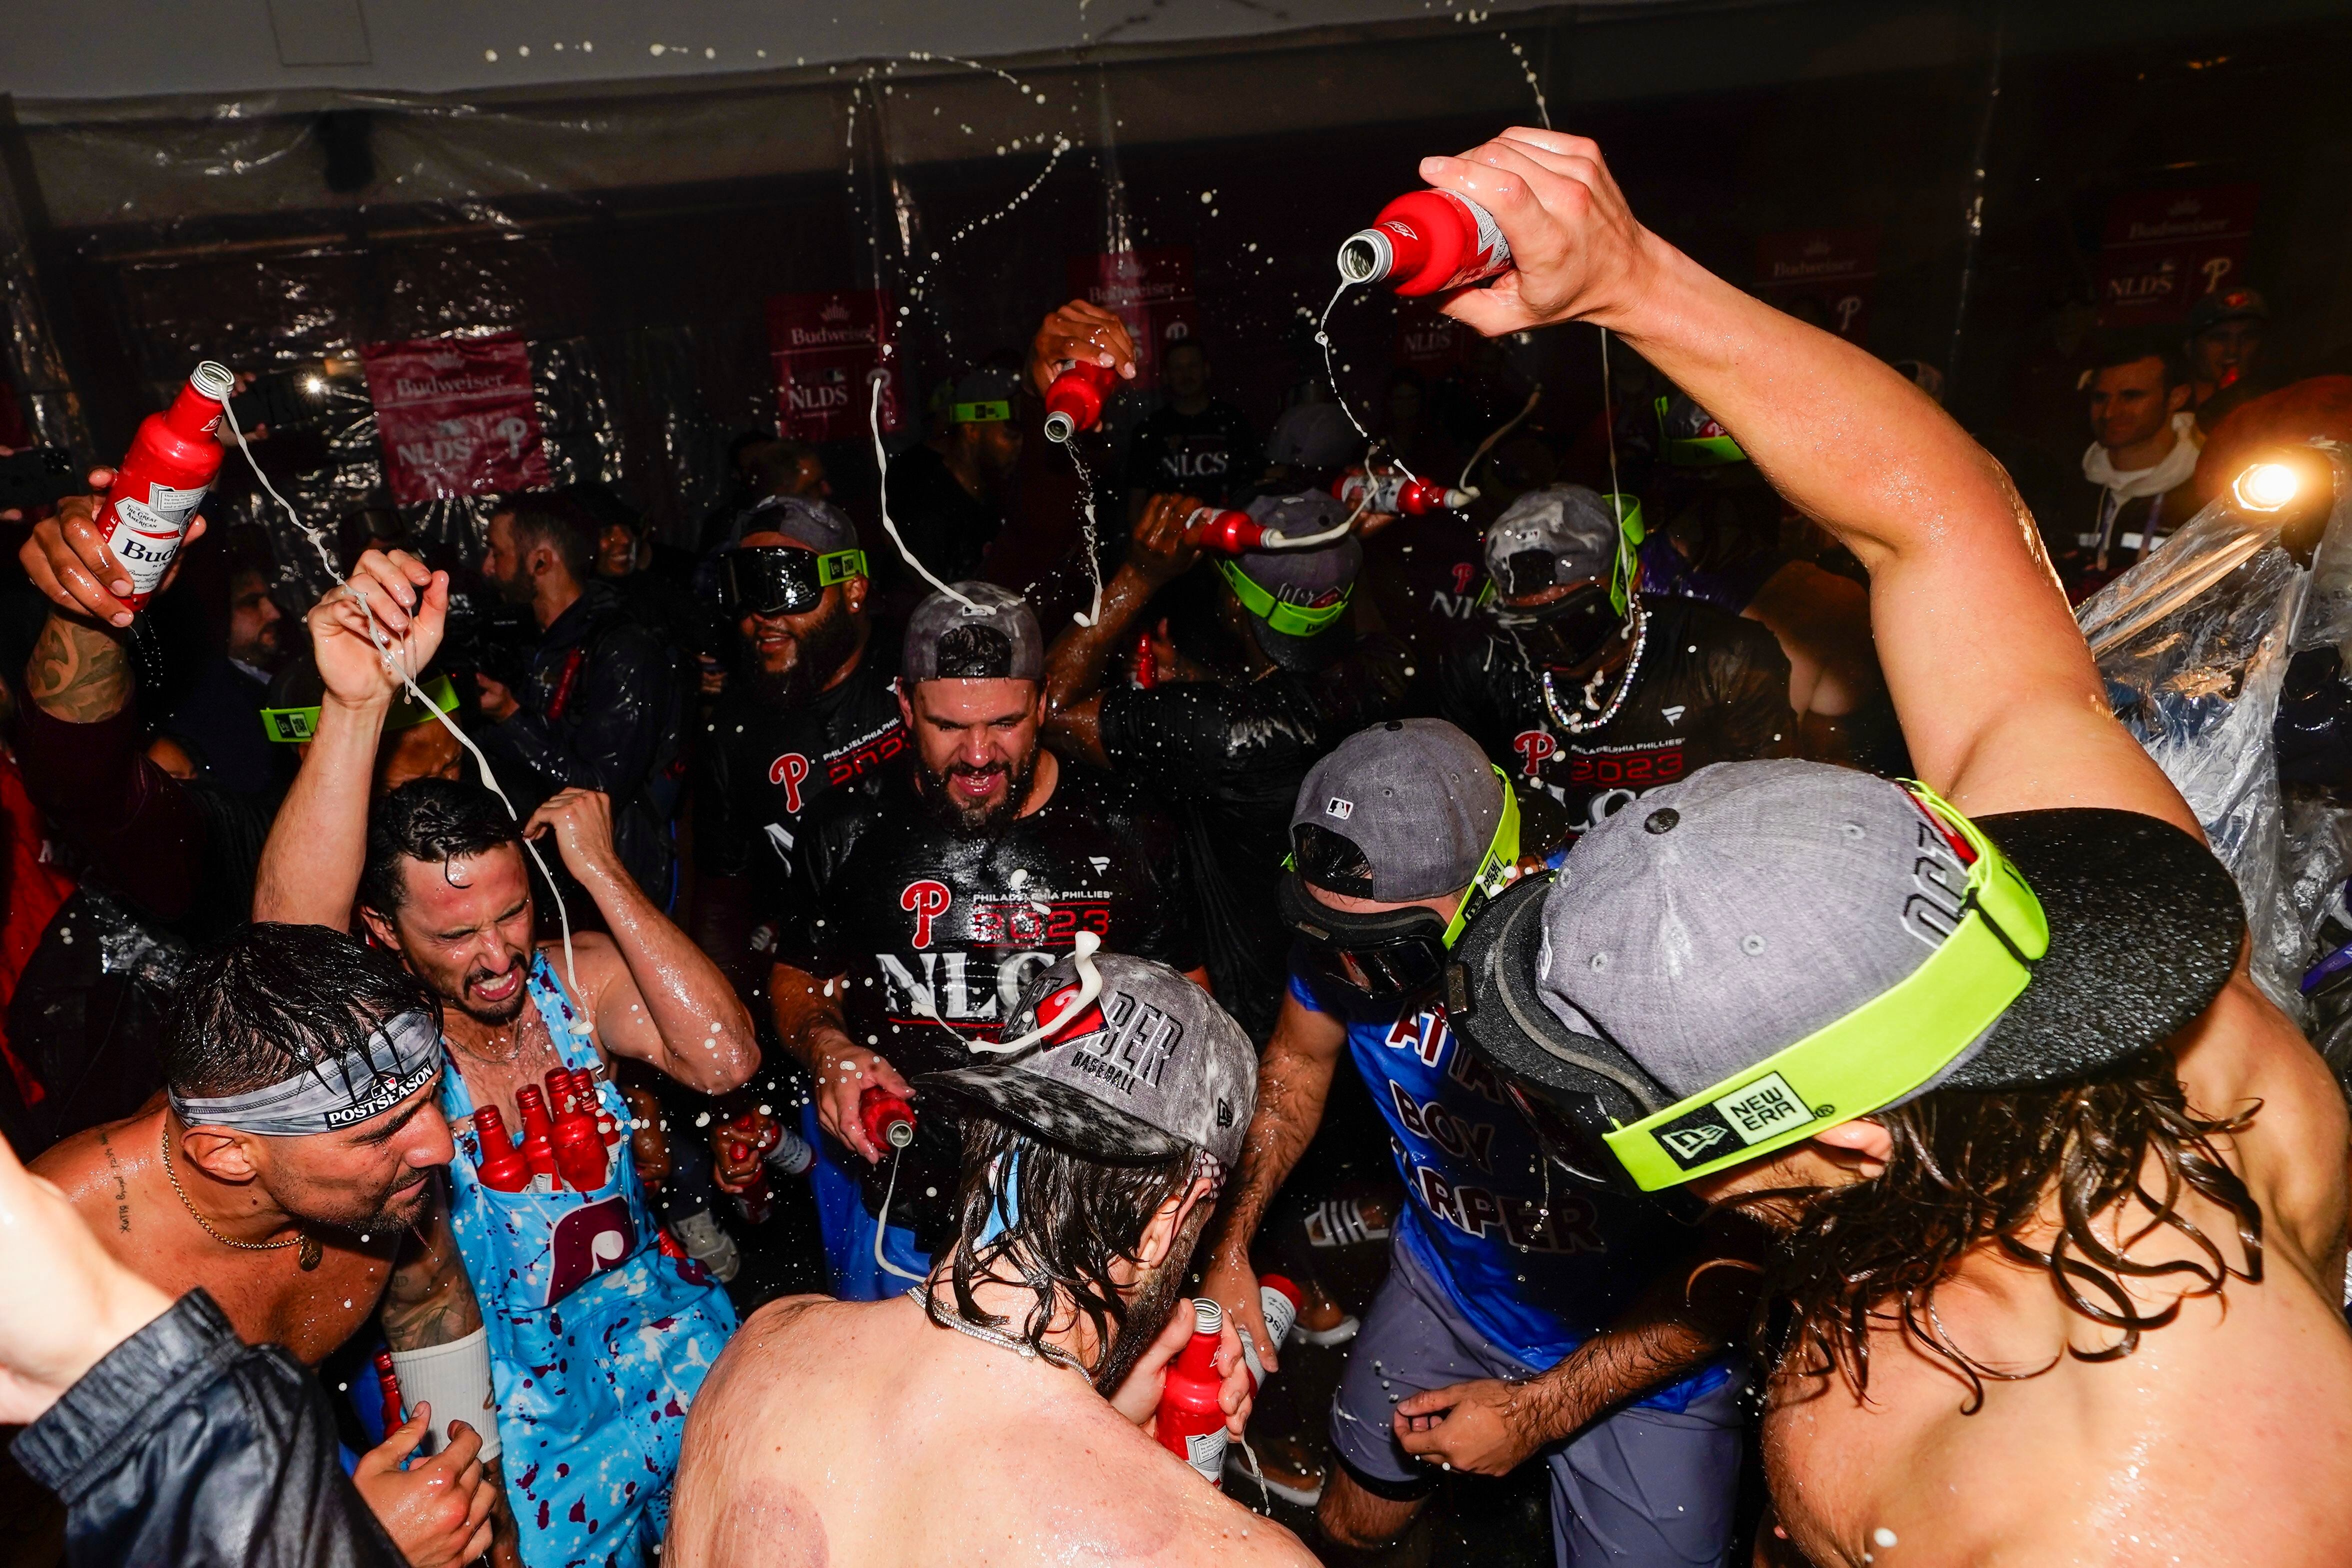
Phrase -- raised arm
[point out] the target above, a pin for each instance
(311, 865)
(655, 995)
(1081, 659)
(1999, 700)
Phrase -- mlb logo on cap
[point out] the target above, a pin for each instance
(1342, 809)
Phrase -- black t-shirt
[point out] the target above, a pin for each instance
(945, 525)
(1712, 687)
(1230, 759)
(1209, 454)
(764, 768)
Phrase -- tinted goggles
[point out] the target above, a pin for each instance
(778, 580)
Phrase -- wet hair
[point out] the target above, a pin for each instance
(1067, 1221)
(427, 819)
(273, 999)
(1972, 1167)
(974, 653)
(559, 521)
(1330, 860)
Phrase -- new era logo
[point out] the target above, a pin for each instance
(1744, 1118)
(1342, 809)
(1692, 1142)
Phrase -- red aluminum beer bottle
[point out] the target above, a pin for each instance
(1190, 1424)
(1145, 662)
(538, 1137)
(1277, 1302)
(889, 1120)
(579, 1146)
(1426, 242)
(593, 1102)
(388, 1381)
(1393, 493)
(163, 480)
(1074, 400)
(499, 1163)
(786, 1152)
(1223, 533)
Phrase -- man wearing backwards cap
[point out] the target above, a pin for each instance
(292, 1171)
(2062, 1198)
(1518, 1316)
(920, 920)
(1592, 690)
(1231, 720)
(1002, 1408)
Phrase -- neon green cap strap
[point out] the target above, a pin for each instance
(292, 726)
(989, 411)
(1291, 620)
(1630, 534)
(1882, 1050)
(1696, 451)
(1495, 867)
(839, 566)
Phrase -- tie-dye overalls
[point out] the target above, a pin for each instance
(598, 1341)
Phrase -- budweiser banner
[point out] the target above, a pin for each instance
(828, 352)
(2164, 250)
(1150, 290)
(455, 417)
(1428, 342)
(1821, 275)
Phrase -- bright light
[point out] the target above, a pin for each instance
(314, 385)
(2265, 487)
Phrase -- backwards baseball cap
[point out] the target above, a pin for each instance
(988, 634)
(2239, 304)
(1689, 437)
(984, 397)
(298, 691)
(1297, 599)
(1148, 1069)
(1566, 534)
(810, 520)
(1768, 949)
(1407, 810)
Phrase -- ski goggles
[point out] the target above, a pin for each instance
(1625, 573)
(293, 726)
(1604, 1119)
(1290, 620)
(778, 580)
(1397, 953)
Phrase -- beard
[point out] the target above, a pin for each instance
(492, 1012)
(819, 651)
(976, 821)
(1156, 1295)
(375, 1215)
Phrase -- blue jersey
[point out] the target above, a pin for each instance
(1536, 1262)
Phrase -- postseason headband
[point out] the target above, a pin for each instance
(329, 1096)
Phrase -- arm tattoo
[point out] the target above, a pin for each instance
(429, 1300)
(77, 673)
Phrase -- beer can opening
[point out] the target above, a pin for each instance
(1364, 257)
(1208, 1318)
(1059, 427)
(215, 381)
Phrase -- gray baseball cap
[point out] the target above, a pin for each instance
(1560, 533)
(815, 522)
(1417, 799)
(1151, 1069)
(994, 637)
(1314, 436)
(1723, 919)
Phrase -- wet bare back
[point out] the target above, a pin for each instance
(2224, 1438)
(861, 1436)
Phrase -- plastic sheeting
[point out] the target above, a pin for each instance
(2194, 645)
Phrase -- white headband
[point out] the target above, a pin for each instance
(329, 1096)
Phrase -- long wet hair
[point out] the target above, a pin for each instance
(1974, 1167)
(1067, 1221)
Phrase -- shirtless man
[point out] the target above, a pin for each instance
(292, 1173)
(2088, 1187)
(1001, 1411)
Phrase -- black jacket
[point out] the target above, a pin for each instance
(185, 1448)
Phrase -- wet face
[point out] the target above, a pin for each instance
(616, 552)
(253, 620)
(1578, 621)
(2220, 349)
(793, 656)
(371, 1178)
(505, 564)
(978, 744)
(2129, 403)
(464, 926)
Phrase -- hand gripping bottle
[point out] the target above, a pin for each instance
(757, 1200)
(538, 1137)
(163, 480)
(1278, 1299)
(1393, 493)
(888, 1120)
(579, 1147)
(1074, 400)
(1426, 242)
(1223, 533)
(499, 1163)
(1190, 1424)
(788, 1153)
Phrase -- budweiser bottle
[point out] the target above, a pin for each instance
(163, 480)
(1426, 242)
(583, 1084)
(1277, 1299)
(1190, 1424)
(579, 1146)
(538, 1137)
(1074, 400)
(889, 1120)
(1223, 533)
(497, 1163)
(1393, 493)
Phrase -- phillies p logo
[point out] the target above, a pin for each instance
(1463, 572)
(789, 770)
(1534, 747)
(926, 901)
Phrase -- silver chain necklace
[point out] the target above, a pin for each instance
(921, 1296)
(1577, 723)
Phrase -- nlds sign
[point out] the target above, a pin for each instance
(828, 352)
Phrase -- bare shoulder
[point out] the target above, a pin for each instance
(594, 954)
(1241, 1535)
(94, 1166)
